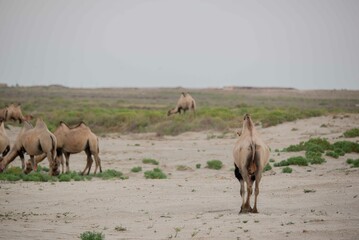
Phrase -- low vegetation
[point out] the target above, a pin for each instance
(267, 167)
(150, 161)
(287, 170)
(144, 110)
(214, 164)
(353, 163)
(136, 169)
(156, 173)
(92, 236)
(41, 175)
(354, 132)
(315, 148)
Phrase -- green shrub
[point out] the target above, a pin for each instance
(136, 169)
(346, 146)
(332, 154)
(64, 178)
(267, 167)
(198, 165)
(150, 161)
(317, 160)
(214, 164)
(354, 132)
(300, 161)
(354, 163)
(92, 236)
(110, 173)
(156, 173)
(287, 170)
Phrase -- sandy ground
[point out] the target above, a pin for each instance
(196, 203)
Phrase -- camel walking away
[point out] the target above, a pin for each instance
(33, 141)
(4, 141)
(184, 103)
(250, 155)
(74, 140)
(13, 112)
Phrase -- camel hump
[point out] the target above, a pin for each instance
(40, 123)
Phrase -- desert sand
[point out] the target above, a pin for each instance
(195, 203)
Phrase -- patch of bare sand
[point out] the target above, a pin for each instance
(197, 203)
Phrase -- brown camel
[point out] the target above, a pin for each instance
(251, 155)
(184, 103)
(13, 112)
(4, 141)
(74, 140)
(33, 141)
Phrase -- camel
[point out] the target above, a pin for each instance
(74, 140)
(13, 112)
(251, 155)
(4, 141)
(33, 141)
(185, 102)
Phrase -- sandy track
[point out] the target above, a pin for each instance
(197, 203)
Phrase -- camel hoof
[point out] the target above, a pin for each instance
(245, 210)
(254, 211)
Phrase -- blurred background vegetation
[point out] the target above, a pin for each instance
(137, 110)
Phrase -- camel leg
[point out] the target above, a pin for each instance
(67, 157)
(240, 179)
(258, 179)
(247, 206)
(98, 162)
(22, 162)
(32, 161)
(88, 164)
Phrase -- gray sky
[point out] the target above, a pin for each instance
(305, 44)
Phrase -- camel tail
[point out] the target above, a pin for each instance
(251, 160)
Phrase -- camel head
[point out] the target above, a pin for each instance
(247, 124)
(170, 112)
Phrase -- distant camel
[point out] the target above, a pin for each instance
(74, 140)
(13, 112)
(4, 141)
(33, 141)
(251, 155)
(184, 103)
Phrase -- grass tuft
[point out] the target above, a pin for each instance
(214, 164)
(136, 169)
(150, 161)
(354, 132)
(156, 173)
(92, 236)
(287, 170)
(353, 163)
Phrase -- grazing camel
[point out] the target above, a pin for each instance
(33, 141)
(185, 102)
(13, 112)
(251, 155)
(74, 140)
(4, 141)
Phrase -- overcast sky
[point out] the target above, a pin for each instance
(306, 44)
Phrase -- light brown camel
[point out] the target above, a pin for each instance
(184, 103)
(74, 140)
(4, 141)
(251, 155)
(13, 112)
(33, 141)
